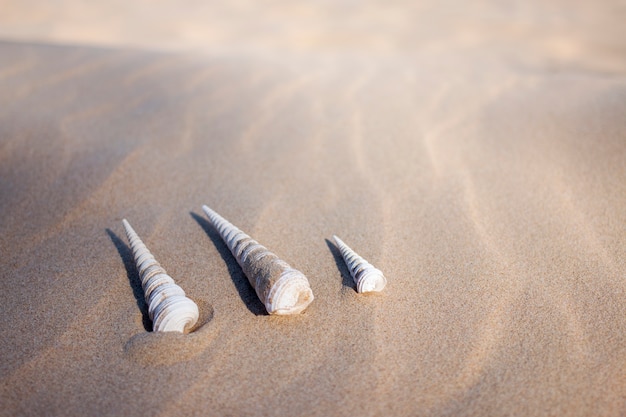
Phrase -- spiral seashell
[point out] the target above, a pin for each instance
(366, 277)
(282, 289)
(168, 307)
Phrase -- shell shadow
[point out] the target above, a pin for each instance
(245, 290)
(133, 277)
(346, 278)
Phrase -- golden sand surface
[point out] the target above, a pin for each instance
(475, 153)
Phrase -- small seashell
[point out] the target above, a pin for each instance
(168, 307)
(282, 289)
(366, 277)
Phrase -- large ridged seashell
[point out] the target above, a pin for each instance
(168, 307)
(282, 289)
(366, 277)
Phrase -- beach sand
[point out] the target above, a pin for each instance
(475, 154)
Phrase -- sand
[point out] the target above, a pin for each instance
(476, 154)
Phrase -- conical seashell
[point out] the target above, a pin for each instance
(168, 308)
(366, 277)
(282, 289)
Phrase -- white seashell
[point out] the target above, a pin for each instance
(282, 289)
(168, 307)
(366, 277)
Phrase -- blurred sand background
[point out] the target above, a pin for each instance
(475, 152)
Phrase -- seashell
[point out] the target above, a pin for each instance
(168, 307)
(282, 289)
(366, 277)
